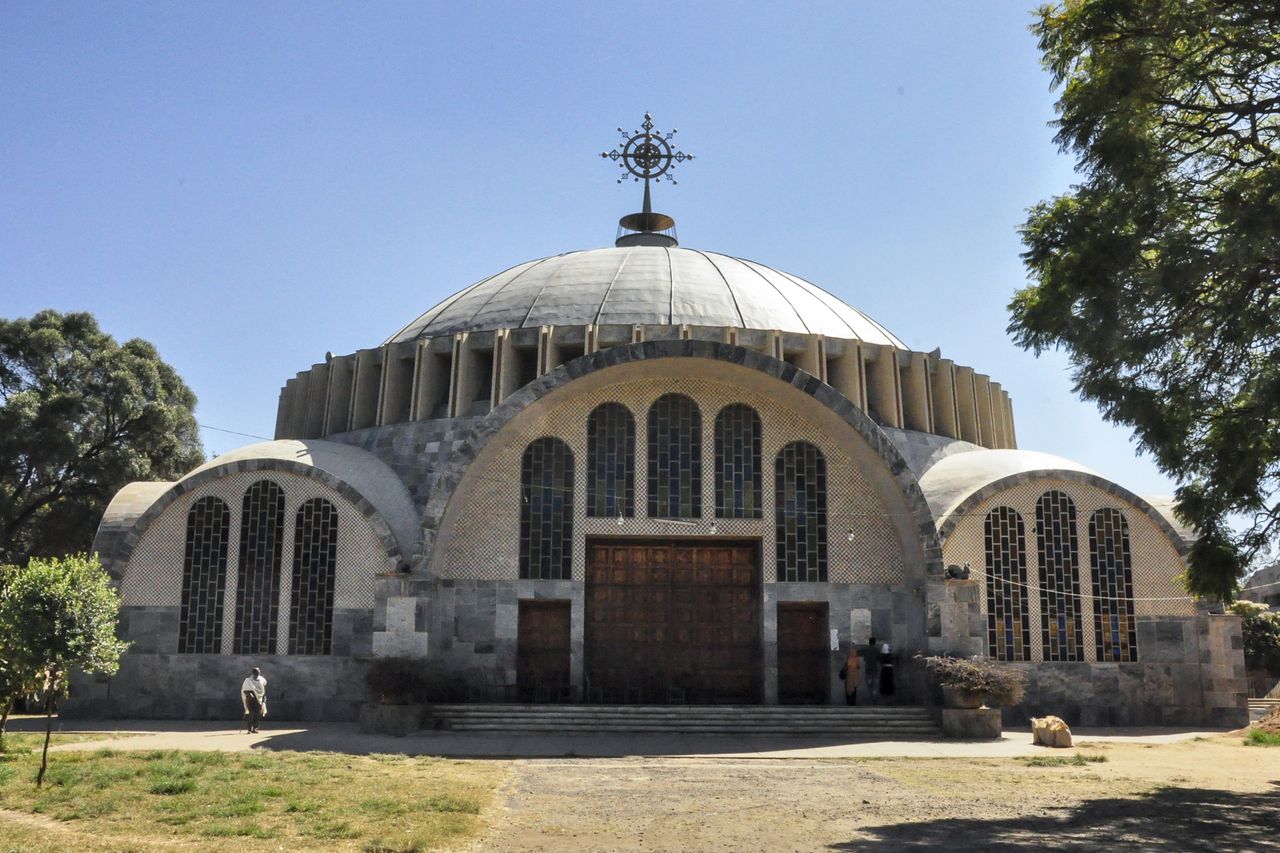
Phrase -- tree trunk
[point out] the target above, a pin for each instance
(48, 732)
(4, 719)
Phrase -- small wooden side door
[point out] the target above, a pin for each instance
(542, 651)
(803, 659)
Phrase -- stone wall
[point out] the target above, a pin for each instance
(1190, 672)
(207, 687)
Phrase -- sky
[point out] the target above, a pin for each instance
(249, 186)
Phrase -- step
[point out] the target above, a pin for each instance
(733, 720)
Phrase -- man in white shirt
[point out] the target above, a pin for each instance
(253, 692)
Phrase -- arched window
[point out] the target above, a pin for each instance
(204, 577)
(315, 560)
(611, 461)
(1063, 631)
(546, 510)
(800, 503)
(258, 592)
(675, 458)
(738, 462)
(1008, 628)
(1115, 633)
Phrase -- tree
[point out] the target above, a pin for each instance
(81, 416)
(1261, 627)
(1159, 273)
(16, 678)
(62, 614)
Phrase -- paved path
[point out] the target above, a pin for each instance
(346, 737)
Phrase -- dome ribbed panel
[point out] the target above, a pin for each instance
(646, 285)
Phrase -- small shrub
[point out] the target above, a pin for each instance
(171, 785)
(1003, 684)
(1257, 737)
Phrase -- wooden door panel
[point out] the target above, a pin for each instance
(542, 651)
(692, 612)
(802, 653)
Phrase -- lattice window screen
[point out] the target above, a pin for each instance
(737, 469)
(1115, 633)
(800, 513)
(315, 557)
(675, 458)
(1008, 620)
(611, 462)
(546, 512)
(204, 576)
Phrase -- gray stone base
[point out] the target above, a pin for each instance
(398, 720)
(207, 687)
(971, 723)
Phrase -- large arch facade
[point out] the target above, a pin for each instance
(878, 540)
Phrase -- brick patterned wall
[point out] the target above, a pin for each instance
(484, 541)
(1155, 563)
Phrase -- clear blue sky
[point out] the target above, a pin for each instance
(250, 185)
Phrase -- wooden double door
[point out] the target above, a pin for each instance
(672, 621)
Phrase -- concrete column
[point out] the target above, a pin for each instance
(883, 396)
(433, 372)
(298, 406)
(461, 383)
(946, 419)
(396, 397)
(317, 400)
(1000, 433)
(967, 405)
(916, 405)
(1013, 430)
(282, 413)
(342, 376)
(845, 370)
(364, 396)
(982, 394)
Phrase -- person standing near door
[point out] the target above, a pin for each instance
(873, 669)
(849, 674)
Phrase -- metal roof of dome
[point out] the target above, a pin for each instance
(646, 284)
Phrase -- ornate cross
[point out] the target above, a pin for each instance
(647, 154)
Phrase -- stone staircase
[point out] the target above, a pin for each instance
(1259, 708)
(857, 723)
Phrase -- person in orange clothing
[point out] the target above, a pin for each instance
(849, 674)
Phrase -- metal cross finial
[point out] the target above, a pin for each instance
(647, 154)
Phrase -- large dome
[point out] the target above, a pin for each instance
(649, 285)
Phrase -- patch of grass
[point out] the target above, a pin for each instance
(202, 800)
(1257, 737)
(1079, 759)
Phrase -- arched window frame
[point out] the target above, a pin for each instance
(674, 439)
(262, 522)
(204, 576)
(1008, 617)
(800, 507)
(1111, 569)
(611, 461)
(315, 568)
(546, 510)
(1062, 628)
(738, 473)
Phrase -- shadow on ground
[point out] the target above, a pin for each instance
(1170, 818)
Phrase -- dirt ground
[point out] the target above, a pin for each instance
(1208, 794)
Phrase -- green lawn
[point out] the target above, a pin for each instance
(109, 800)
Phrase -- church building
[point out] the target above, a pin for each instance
(651, 474)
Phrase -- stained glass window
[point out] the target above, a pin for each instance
(1062, 628)
(315, 559)
(1008, 625)
(1115, 633)
(546, 510)
(204, 577)
(611, 461)
(675, 458)
(800, 505)
(258, 590)
(738, 462)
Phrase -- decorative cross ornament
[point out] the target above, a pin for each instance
(647, 154)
